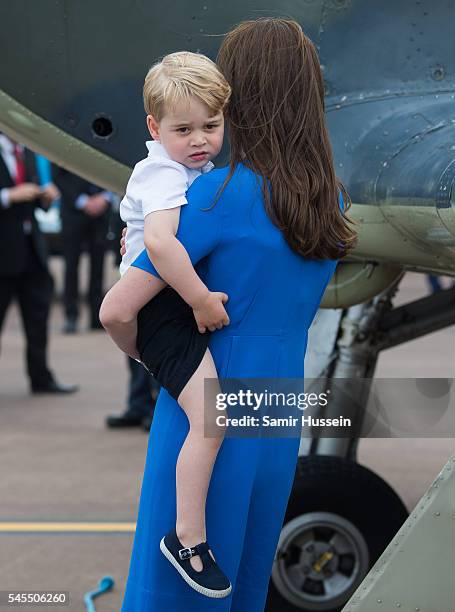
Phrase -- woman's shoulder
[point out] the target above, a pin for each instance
(214, 180)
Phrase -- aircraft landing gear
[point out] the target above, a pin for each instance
(340, 517)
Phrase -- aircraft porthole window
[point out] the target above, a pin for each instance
(438, 73)
(102, 127)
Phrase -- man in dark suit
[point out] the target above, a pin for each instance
(23, 271)
(143, 392)
(85, 220)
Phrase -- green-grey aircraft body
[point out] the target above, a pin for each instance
(71, 79)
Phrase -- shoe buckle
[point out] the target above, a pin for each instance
(185, 553)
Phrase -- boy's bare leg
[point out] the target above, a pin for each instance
(195, 462)
(118, 312)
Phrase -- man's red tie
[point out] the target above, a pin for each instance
(20, 165)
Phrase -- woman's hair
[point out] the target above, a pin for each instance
(178, 77)
(277, 128)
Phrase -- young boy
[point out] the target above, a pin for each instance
(184, 98)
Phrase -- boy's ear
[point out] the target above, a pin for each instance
(153, 127)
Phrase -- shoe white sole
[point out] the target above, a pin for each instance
(194, 585)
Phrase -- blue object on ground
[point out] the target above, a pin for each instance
(106, 584)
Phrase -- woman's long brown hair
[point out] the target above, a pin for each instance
(277, 128)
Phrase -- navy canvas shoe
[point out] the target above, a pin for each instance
(210, 581)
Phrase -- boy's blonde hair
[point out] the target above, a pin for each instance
(178, 77)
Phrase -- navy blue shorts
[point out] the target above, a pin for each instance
(168, 340)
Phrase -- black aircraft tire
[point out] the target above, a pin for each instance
(341, 493)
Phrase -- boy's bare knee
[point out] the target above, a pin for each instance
(106, 315)
(111, 315)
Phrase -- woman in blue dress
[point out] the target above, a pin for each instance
(268, 231)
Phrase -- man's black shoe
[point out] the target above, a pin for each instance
(126, 419)
(53, 386)
(70, 326)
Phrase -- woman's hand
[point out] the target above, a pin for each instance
(23, 193)
(122, 242)
(210, 313)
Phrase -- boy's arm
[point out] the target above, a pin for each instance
(174, 265)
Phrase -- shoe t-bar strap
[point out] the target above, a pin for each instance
(187, 553)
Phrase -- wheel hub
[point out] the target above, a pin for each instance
(318, 560)
(321, 559)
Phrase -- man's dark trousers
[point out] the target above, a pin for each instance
(80, 229)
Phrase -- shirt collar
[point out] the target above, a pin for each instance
(6, 145)
(156, 148)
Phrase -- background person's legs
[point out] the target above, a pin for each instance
(141, 399)
(143, 390)
(7, 291)
(97, 243)
(34, 295)
(72, 236)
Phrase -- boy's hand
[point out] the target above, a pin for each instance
(210, 313)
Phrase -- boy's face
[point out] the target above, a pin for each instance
(190, 134)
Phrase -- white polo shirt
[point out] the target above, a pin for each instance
(157, 183)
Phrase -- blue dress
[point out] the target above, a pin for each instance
(273, 296)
